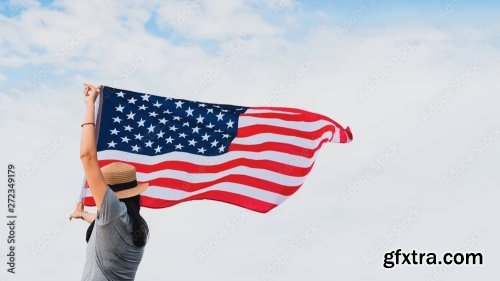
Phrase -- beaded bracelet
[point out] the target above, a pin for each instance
(88, 123)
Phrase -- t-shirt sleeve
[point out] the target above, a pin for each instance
(111, 208)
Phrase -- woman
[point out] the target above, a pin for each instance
(117, 234)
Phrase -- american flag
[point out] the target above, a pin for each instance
(252, 157)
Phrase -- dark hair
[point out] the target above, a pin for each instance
(140, 229)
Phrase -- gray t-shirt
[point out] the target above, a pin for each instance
(111, 253)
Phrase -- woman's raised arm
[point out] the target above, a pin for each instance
(88, 150)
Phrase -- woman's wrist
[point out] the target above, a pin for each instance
(90, 104)
(89, 113)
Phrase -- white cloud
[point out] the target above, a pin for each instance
(213, 19)
(281, 4)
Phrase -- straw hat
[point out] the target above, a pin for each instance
(121, 178)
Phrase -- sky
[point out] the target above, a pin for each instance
(416, 81)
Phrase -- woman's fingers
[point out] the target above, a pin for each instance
(92, 87)
(78, 209)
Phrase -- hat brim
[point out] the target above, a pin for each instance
(129, 192)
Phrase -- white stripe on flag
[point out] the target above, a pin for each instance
(269, 137)
(258, 111)
(245, 121)
(281, 157)
(207, 177)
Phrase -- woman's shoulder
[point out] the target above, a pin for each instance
(111, 208)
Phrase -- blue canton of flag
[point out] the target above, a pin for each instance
(151, 125)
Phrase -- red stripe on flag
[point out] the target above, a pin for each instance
(279, 147)
(260, 129)
(222, 196)
(301, 111)
(234, 178)
(273, 166)
(285, 117)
